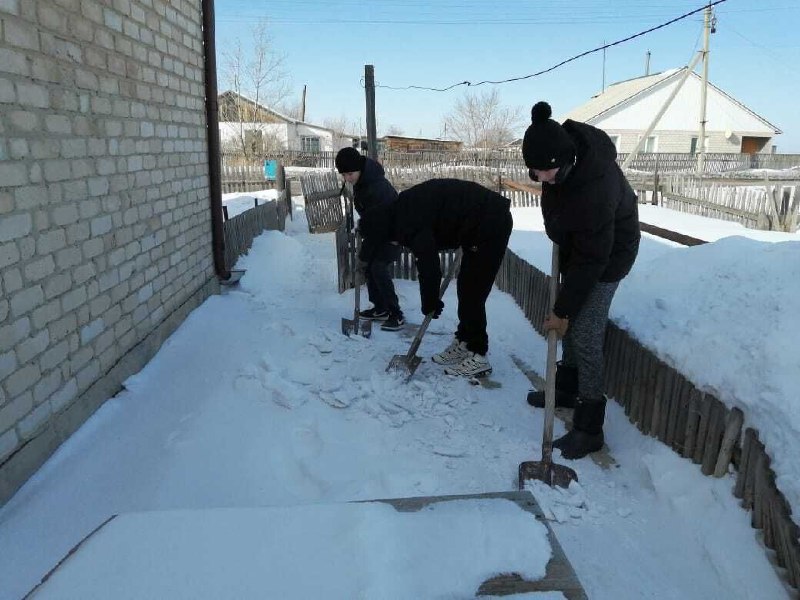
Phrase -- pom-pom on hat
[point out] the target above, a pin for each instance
(349, 160)
(546, 144)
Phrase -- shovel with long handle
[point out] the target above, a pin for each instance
(355, 325)
(546, 470)
(407, 363)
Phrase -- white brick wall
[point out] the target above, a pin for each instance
(104, 222)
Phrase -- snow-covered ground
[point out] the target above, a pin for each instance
(258, 403)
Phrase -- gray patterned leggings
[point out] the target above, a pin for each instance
(582, 346)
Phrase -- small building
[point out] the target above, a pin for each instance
(251, 127)
(626, 109)
(401, 143)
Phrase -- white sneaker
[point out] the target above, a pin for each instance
(454, 353)
(474, 365)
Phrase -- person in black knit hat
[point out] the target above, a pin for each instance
(371, 189)
(591, 212)
(441, 214)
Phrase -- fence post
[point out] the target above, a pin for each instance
(654, 201)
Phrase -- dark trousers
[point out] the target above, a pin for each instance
(479, 266)
(582, 347)
(380, 286)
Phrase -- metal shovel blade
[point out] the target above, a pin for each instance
(404, 365)
(546, 471)
(362, 326)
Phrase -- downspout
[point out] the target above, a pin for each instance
(212, 123)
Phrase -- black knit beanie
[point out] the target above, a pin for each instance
(546, 144)
(349, 160)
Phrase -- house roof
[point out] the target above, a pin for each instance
(424, 139)
(626, 92)
(280, 115)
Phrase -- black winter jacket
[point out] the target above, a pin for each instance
(593, 217)
(373, 189)
(435, 215)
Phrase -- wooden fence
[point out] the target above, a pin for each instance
(240, 231)
(650, 162)
(769, 205)
(664, 404)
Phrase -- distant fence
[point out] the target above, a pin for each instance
(244, 178)
(509, 158)
(759, 204)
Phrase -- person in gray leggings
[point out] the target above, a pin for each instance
(590, 211)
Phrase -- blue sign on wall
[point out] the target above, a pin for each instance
(270, 169)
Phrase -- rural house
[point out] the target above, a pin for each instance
(625, 110)
(251, 127)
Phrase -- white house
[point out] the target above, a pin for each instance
(245, 121)
(626, 109)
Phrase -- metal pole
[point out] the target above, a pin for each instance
(701, 138)
(663, 109)
(369, 89)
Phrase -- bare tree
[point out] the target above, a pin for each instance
(255, 73)
(480, 121)
(394, 130)
(342, 124)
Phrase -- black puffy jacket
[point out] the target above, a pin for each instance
(373, 189)
(437, 214)
(593, 217)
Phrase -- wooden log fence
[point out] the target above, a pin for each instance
(241, 230)
(324, 201)
(664, 404)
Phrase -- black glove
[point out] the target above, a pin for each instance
(433, 308)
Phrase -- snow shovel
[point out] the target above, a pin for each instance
(356, 324)
(407, 363)
(546, 470)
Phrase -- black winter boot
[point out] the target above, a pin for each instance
(566, 388)
(586, 435)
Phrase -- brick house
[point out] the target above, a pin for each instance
(105, 220)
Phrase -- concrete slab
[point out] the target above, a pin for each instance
(261, 553)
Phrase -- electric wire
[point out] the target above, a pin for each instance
(558, 65)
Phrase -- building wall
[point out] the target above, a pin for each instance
(679, 141)
(105, 236)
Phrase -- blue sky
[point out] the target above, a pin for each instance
(755, 52)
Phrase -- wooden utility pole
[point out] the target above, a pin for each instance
(369, 89)
(303, 106)
(701, 137)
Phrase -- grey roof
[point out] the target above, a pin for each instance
(627, 90)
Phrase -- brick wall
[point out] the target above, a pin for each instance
(105, 234)
(678, 141)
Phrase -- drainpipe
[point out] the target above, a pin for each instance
(212, 121)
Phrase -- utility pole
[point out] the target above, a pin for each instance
(303, 106)
(647, 63)
(604, 66)
(701, 137)
(369, 90)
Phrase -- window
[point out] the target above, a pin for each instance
(651, 144)
(693, 145)
(309, 144)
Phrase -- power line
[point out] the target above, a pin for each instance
(562, 63)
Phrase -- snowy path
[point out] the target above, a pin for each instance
(258, 400)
